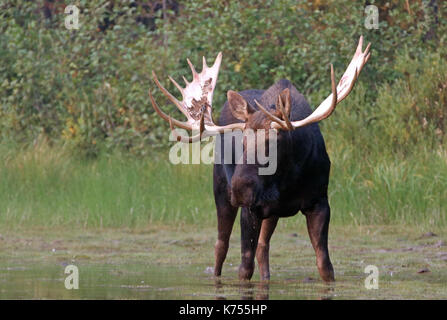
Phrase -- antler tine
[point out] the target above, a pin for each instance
(204, 66)
(366, 55)
(353, 70)
(176, 84)
(334, 91)
(218, 60)
(367, 48)
(322, 112)
(195, 75)
(365, 61)
(271, 116)
(179, 124)
(284, 115)
(359, 45)
(170, 96)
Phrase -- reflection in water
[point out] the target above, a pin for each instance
(252, 291)
(247, 290)
(145, 281)
(327, 292)
(260, 290)
(220, 293)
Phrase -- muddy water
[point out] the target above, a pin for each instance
(145, 282)
(167, 264)
(148, 282)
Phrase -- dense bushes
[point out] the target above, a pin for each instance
(84, 92)
(87, 88)
(407, 116)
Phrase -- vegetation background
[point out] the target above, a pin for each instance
(81, 146)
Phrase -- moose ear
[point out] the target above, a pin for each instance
(238, 106)
(285, 99)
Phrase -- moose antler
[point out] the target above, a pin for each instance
(339, 92)
(196, 102)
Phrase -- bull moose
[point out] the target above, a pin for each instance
(301, 180)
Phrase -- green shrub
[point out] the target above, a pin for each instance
(88, 88)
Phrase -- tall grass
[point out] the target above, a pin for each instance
(411, 190)
(44, 186)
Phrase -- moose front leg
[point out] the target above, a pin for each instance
(262, 252)
(226, 214)
(250, 227)
(318, 226)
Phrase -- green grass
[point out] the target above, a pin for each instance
(45, 186)
(385, 190)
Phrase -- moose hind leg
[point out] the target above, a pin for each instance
(262, 252)
(318, 226)
(250, 227)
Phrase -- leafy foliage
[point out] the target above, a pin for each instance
(87, 88)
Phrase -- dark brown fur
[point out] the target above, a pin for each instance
(299, 184)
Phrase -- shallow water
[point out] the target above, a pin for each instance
(146, 281)
(131, 281)
(166, 264)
